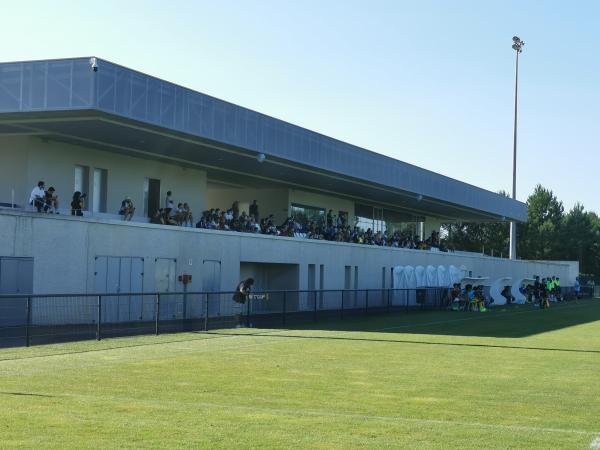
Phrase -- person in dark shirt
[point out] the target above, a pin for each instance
(240, 296)
(254, 210)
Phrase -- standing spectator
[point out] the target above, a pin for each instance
(36, 199)
(127, 209)
(51, 201)
(169, 203)
(77, 204)
(330, 218)
(254, 210)
(577, 288)
(235, 209)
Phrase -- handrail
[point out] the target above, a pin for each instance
(153, 293)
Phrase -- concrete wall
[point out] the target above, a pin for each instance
(64, 249)
(26, 160)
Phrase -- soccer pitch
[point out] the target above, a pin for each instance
(511, 378)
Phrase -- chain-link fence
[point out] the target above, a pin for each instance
(40, 319)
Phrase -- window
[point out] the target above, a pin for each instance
(81, 184)
(305, 214)
(99, 190)
(380, 219)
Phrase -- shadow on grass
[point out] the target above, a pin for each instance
(26, 394)
(513, 321)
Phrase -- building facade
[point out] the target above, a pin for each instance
(114, 133)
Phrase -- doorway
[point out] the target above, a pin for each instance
(152, 192)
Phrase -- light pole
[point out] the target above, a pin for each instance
(518, 47)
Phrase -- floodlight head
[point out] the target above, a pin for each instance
(516, 39)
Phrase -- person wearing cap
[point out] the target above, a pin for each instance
(36, 199)
(127, 208)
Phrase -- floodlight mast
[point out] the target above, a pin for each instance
(517, 46)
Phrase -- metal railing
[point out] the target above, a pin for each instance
(41, 319)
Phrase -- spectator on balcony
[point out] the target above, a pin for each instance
(235, 209)
(158, 217)
(254, 210)
(36, 199)
(188, 217)
(169, 203)
(127, 209)
(51, 201)
(77, 203)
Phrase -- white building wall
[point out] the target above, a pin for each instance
(64, 249)
(26, 160)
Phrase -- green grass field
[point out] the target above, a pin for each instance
(511, 378)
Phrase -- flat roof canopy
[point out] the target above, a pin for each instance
(125, 111)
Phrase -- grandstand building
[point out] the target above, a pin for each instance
(85, 124)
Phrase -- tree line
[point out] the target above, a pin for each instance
(549, 233)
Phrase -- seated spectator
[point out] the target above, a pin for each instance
(38, 194)
(158, 217)
(507, 295)
(77, 204)
(51, 201)
(188, 218)
(177, 214)
(127, 209)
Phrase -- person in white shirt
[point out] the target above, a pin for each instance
(169, 203)
(36, 199)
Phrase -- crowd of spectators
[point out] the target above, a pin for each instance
(328, 228)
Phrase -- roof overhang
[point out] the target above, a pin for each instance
(224, 139)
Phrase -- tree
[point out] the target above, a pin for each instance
(581, 239)
(539, 237)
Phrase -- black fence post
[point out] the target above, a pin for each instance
(206, 313)
(342, 310)
(99, 318)
(366, 301)
(406, 292)
(157, 313)
(284, 307)
(315, 313)
(248, 313)
(28, 325)
(388, 301)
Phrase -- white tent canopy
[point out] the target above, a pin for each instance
(497, 288)
(516, 293)
(431, 278)
(443, 277)
(420, 276)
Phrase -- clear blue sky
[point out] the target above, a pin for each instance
(428, 82)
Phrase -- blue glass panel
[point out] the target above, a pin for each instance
(10, 87)
(139, 98)
(167, 102)
(38, 85)
(105, 87)
(179, 108)
(82, 83)
(154, 96)
(123, 91)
